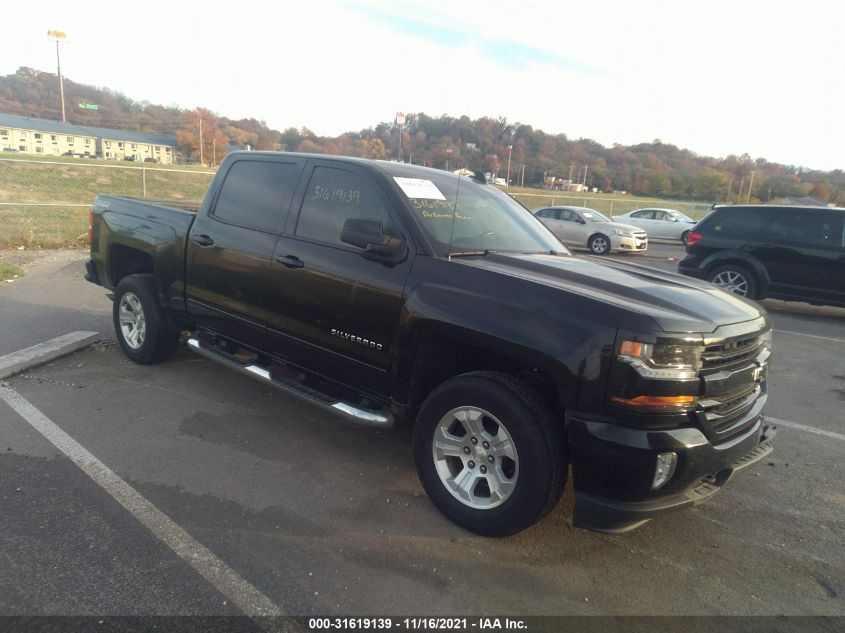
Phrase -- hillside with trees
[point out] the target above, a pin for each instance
(647, 169)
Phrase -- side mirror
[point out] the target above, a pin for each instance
(369, 235)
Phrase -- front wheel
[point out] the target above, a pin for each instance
(139, 322)
(599, 244)
(490, 453)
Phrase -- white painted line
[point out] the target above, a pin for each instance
(226, 580)
(804, 427)
(29, 357)
(821, 338)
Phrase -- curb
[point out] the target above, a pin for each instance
(30, 357)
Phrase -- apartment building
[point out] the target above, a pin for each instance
(55, 138)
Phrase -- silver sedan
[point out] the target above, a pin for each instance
(666, 224)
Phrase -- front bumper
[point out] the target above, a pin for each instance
(613, 467)
(629, 244)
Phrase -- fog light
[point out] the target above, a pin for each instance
(664, 469)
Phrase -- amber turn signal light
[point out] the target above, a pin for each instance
(655, 402)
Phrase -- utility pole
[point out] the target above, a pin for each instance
(741, 185)
(585, 175)
(508, 178)
(213, 151)
(750, 185)
(522, 181)
(58, 37)
(201, 162)
(571, 167)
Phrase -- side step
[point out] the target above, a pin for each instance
(359, 415)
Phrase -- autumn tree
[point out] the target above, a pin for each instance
(201, 138)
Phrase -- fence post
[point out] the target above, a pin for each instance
(553, 200)
(143, 180)
(611, 208)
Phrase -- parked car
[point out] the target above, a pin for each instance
(379, 291)
(791, 253)
(667, 224)
(587, 228)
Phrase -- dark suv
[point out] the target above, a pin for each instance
(790, 253)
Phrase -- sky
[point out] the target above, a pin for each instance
(717, 77)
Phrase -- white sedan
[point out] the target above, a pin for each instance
(666, 224)
(582, 227)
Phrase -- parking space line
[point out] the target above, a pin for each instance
(804, 427)
(226, 580)
(822, 338)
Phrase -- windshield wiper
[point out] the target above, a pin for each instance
(469, 254)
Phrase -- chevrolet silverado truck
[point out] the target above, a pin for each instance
(381, 291)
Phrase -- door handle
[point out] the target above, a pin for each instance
(202, 240)
(291, 261)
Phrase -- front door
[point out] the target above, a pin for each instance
(332, 310)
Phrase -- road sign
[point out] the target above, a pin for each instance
(400, 118)
(89, 106)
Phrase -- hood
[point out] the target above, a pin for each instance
(618, 225)
(673, 302)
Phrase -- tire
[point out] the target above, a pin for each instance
(139, 322)
(685, 237)
(599, 244)
(735, 279)
(530, 475)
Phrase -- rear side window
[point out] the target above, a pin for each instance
(644, 215)
(256, 194)
(813, 228)
(733, 222)
(333, 196)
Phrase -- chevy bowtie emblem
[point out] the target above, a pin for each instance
(346, 336)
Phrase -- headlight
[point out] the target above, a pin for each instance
(623, 232)
(663, 360)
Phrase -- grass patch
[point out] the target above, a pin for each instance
(607, 203)
(7, 272)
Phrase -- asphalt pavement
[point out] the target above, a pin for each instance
(326, 518)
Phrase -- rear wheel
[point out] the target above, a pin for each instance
(599, 244)
(139, 322)
(736, 279)
(490, 453)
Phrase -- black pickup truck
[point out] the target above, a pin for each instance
(381, 291)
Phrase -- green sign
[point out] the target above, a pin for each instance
(89, 106)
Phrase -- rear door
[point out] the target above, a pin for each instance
(332, 310)
(806, 257)
(231, 247)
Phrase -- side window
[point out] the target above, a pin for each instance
(256, 194)
(544, 213)
(567, 215)
(740, 222)
(661, 215)
(645, 215)
(333, 196)
(808, 227)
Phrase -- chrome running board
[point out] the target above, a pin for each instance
(352, 413)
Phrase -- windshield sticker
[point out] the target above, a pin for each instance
(588, 215)
(419, 188)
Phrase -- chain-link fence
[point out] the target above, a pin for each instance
(45, 203)
(610, 206)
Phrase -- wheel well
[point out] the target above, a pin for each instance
(125, 261)
(436, 363)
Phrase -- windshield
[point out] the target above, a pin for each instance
(591, 215)
(460, 215)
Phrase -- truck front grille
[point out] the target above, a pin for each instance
(726, 416)
(731, 353)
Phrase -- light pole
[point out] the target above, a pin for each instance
(58, 37)
(508, 179)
